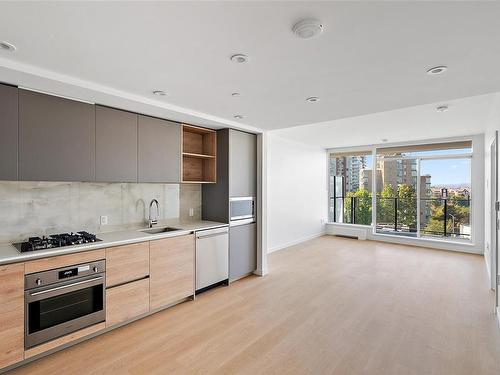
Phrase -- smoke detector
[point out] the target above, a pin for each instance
(307, 29)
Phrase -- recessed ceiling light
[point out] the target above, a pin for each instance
(312, 99)
(442, 108)
(308, 28)
(437, 70)
(235, 94)
(159, 92)
(238, 117)
(6, 46)
(239, 58)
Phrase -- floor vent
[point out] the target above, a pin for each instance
(347, 236)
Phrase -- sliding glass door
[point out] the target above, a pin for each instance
(446, 200)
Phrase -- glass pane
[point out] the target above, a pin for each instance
(445, 202)
(350, 188)
(52, 311)
(397, 196)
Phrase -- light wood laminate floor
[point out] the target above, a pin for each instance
(328, 306)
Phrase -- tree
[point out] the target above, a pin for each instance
(385, 204)
(363, 202)
(407, 206)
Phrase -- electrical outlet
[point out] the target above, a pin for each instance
(191, 212)
(104, 220)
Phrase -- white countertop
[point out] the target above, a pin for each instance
(9, 254)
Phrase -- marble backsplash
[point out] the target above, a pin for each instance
(41, 208)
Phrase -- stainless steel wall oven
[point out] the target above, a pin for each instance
(63, 300)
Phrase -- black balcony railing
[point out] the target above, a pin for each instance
(439, 217)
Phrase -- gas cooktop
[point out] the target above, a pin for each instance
(56, 240)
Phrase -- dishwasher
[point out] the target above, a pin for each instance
(212, 258)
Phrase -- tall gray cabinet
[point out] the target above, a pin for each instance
(8, 132)
(56, 138)
(236, 177)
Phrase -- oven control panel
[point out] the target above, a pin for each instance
(39, 279)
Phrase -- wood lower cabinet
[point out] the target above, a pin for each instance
(127, 263)
(172, 270)
(11, 314)
(127, 301)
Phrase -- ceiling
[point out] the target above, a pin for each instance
(465, 117)
(371, 57)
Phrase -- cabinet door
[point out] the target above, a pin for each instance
(242, 250)
(8, 131)
(159, 150)
(11, 314)
(127, 263)
(116, 145)
(242, 164)
(172, 270)
(56, 138)
(127, 301)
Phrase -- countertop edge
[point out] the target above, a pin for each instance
(185, 229)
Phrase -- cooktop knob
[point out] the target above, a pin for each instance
(38, 282)
(96, 269)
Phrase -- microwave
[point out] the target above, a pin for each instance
(241, 210)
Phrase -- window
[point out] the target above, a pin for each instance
(432, 197)
(350, 188)
(420, 190)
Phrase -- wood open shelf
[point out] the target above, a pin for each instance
(199, 154)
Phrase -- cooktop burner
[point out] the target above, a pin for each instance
(56, 240)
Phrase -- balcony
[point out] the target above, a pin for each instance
(439, 217)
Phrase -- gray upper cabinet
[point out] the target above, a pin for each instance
(159, 150)
(116, 145)
(56, 138)
(242, 164)
(8, 132)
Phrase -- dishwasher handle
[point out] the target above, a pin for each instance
(212, 232)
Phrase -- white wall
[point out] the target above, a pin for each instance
(296, 192)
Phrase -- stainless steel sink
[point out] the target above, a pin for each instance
(159, 230)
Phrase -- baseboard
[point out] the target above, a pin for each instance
(296, 242)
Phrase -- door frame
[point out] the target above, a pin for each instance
(494, 216)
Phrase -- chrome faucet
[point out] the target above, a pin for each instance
(152, 221)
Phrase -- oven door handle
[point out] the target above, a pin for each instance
(33, 294)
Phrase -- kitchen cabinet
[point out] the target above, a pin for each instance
(242, 164)
(199, 154)
(11, 314)
(56, 138)
(236, 173)
(127, 301)
(116, 145)
(127, 263)
(8, 131)
(159, 150)
(242, 250)
(172, 270)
